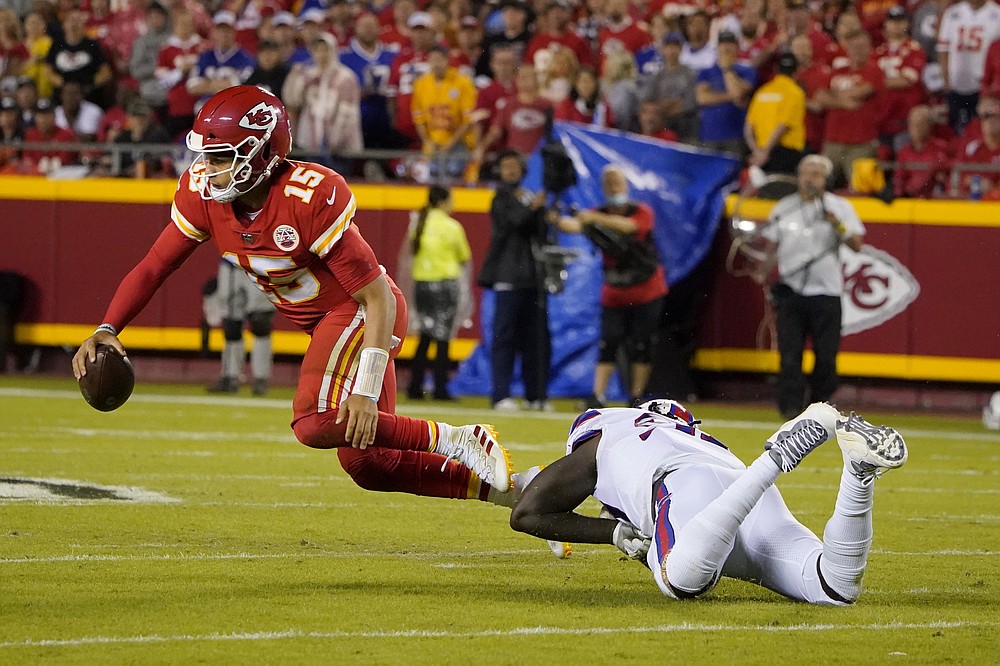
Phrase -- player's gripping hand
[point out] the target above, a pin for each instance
(88, 350)
(630, 541)
(362, 418)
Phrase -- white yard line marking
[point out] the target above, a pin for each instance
(197, 557)
(168, 557)
(298, 634)
(416, 410)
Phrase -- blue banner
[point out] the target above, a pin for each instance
(684, 186)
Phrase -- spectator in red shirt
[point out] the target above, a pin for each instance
(799, 22)
(991, 70)
(557, 35)
(923, 162)
(854, 116)
(586, 103)
(835, 55)
(46, 131)
(651, 123)
(395, 29)
(977, 184)
(520, 120)
(902, 61)
(503, 62)
(177, 58)
(11, 131)
(813, 77)
(410, 65)
(620, 32)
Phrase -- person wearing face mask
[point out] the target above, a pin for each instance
(634, 282)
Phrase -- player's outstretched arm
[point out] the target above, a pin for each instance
(546, 508)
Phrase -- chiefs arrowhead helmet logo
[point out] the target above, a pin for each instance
(260, 117)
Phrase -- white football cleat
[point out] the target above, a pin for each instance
(870, 451)
(797, 438)
(476, 447)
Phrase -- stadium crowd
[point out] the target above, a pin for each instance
(917, 85)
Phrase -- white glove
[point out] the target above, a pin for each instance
(630, 541)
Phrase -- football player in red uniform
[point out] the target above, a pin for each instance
(288, 225)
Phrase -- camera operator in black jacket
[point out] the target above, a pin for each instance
(520, 321)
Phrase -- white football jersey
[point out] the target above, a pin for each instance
(965, 35)
(638, 447)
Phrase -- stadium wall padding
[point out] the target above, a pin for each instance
(74, 240)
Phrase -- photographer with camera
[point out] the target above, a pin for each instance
(520, 320)
(634, 282)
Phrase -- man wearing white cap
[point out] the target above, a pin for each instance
(284, 34)
(223, 66)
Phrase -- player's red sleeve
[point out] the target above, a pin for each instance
(169, 251)
(643, 218)
(353, 262)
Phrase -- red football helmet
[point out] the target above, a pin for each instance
(248, 122)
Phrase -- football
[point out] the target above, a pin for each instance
(109, 380)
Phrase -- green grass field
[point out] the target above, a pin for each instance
(255, 548)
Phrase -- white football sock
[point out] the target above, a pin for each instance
(232, 359)
(260, 357)
(848, 537)
(705, 542)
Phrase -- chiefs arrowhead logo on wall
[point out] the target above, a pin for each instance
(259, 117)
(876, 288)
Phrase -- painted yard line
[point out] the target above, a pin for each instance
(300, 634)
(183, 435)
(232, 505)
(204, 477)
(923, 490)
(417, 410)
(197, 557)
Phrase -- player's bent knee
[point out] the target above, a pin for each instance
(260, 323)
(232, 329)
(371, 469)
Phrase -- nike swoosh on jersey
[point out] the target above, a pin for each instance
(329, 202)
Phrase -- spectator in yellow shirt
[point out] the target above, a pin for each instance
(442, 105)
(441, 263)
(775, 128)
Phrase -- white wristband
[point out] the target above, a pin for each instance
(107, 328)
(371, 370)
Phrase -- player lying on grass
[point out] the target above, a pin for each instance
(289, 226)
(694, 512)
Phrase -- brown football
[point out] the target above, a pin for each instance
(109, 380)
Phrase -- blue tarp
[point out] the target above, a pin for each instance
(684, 187)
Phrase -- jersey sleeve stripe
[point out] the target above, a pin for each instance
(330, 237)
(185, 226)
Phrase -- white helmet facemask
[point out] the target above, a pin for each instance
(240, 171)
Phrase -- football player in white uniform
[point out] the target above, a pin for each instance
(694, 512)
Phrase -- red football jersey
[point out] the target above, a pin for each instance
(906, 59)
(991, 71)
(644, 292)
(814, 78)
(546, 41)
(859, 125)
(629, 37)
(301, 249)
(408, 66)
